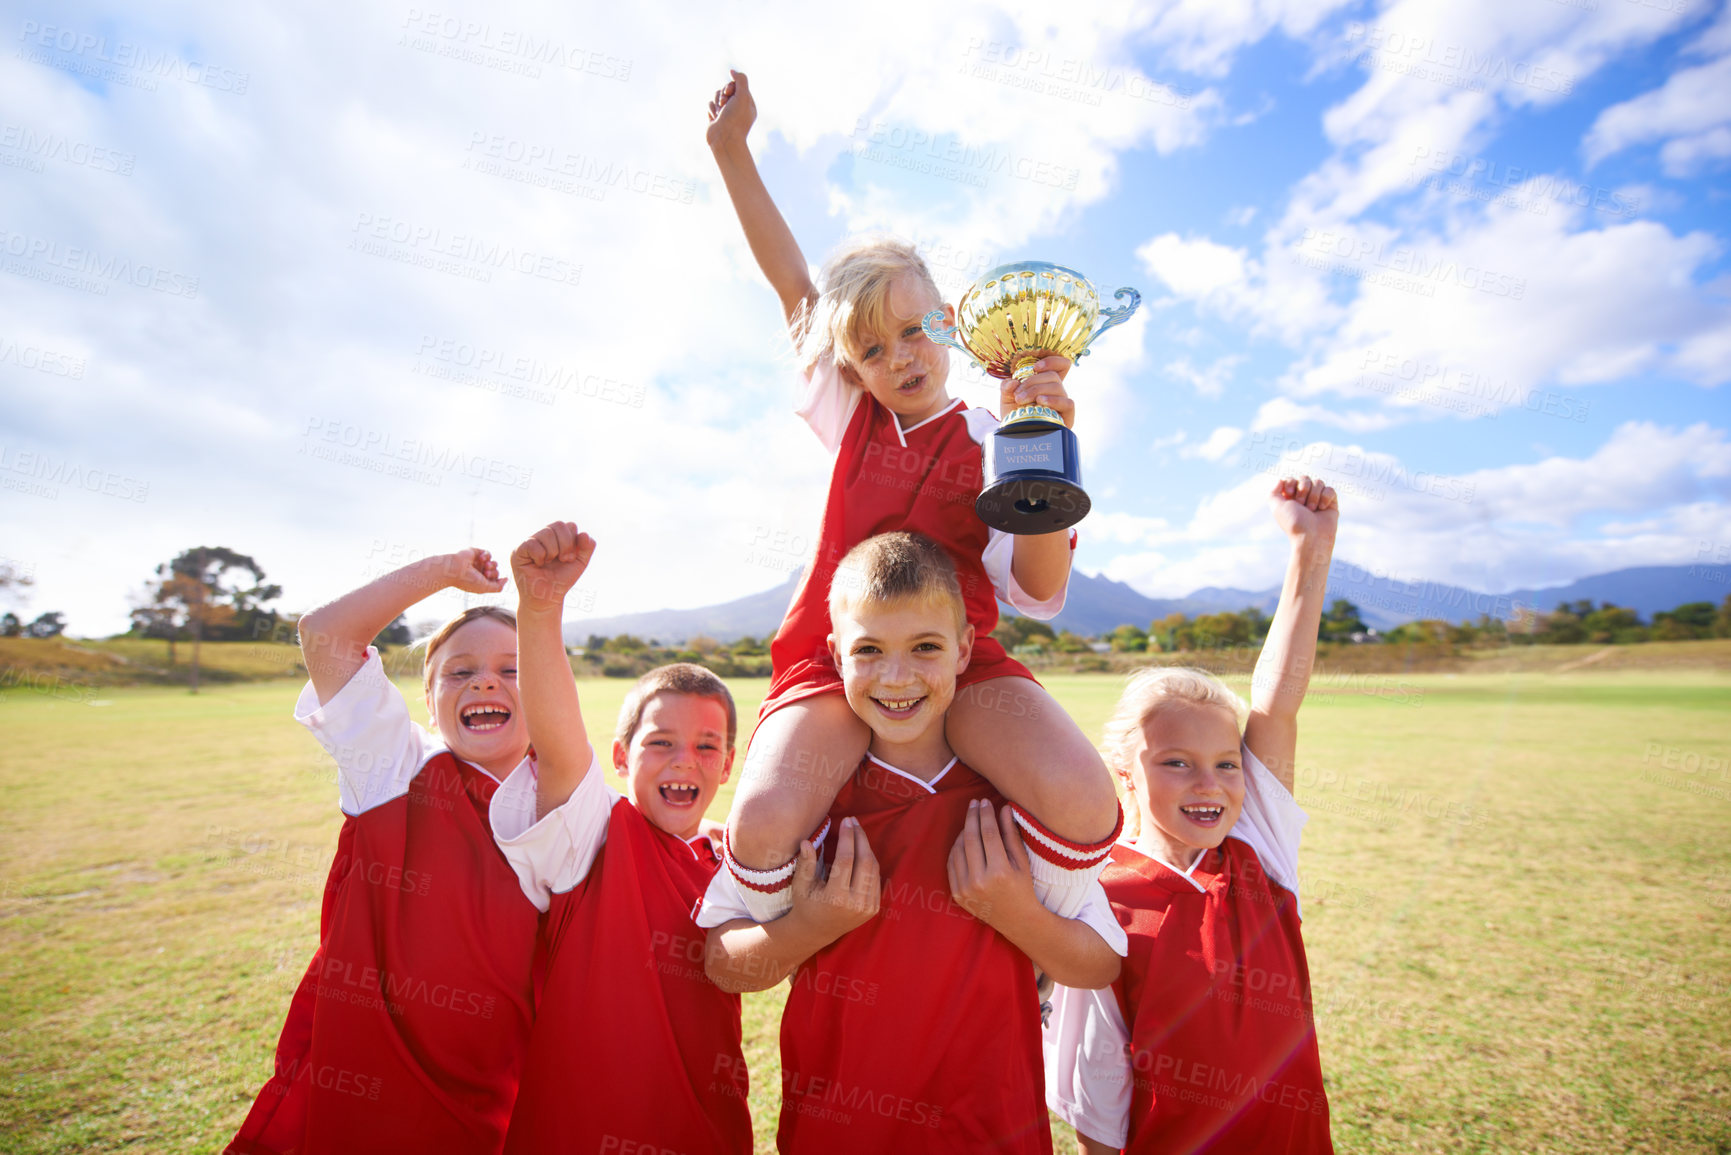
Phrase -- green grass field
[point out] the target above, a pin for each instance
(1517, 891)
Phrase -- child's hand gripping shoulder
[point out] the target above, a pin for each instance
(750, 956)
(545, 567)
(1308, 512)
(990, 878)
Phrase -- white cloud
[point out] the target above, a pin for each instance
(1281, 412)
(1128, 528)
(1491, 529)
(1438, 73)
(1201, 36)
(1210, 380)
(1213, 449)
(1521, 301)
(1197, 269)
(1690, 112)
(1283, 298)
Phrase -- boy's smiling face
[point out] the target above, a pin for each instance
(899, 661)
(1189, 779)
(677, 759)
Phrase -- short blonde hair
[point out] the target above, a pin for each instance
(853, 296)
(677, 678)
(893, 567)
(444, 632)
(1150, 689)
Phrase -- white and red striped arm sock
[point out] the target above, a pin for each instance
(768, 894)
(1063, 870)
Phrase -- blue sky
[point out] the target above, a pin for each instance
(341, 287)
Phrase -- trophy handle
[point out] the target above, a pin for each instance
(1119, 315)
(940, 333)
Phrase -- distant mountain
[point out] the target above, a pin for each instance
(1097, 605)
(755, 615)
(1646, 589)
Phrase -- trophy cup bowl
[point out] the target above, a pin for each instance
(1006, 321)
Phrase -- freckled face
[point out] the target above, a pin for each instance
(474, 696)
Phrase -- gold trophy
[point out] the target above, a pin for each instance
(1006, 321)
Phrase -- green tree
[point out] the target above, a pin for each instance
(1071, 643)
(1129, 640)
(1014, 631)
(50, 625)
(14, 578)
(1163, 633)
(10, 626)
(1722, 619)
(1489, 631)
(203, 594)
(1562, 626)
(1340, 622)
(1428, 631)
(1220, 631)
(1611, 623)
(1691, 620)
(395, 634)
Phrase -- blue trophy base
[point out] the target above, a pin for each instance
(1033, 479)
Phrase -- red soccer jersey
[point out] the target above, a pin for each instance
(634, 1049)
(1216, 995)
(919, 1031)
(922, 479)
(407, 1032)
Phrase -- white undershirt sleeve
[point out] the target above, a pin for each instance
(553, 855)
(367, 730)
(722, 902)
(828, 402)
(1096, 913)
(1271, 824)
(999, 557)
(1086, 1047)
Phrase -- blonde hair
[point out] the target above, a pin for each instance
(1150, 689)
(854, 294)
(894, 566)
(444, 632)
(677, 678)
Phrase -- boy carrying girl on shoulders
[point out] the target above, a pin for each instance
(913, 1023)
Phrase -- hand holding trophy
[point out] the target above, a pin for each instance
(1006, 321)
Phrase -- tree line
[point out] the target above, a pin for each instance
(217, 594)
(1577, 622)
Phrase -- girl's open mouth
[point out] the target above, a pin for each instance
(1207, 816)
(484, 717)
